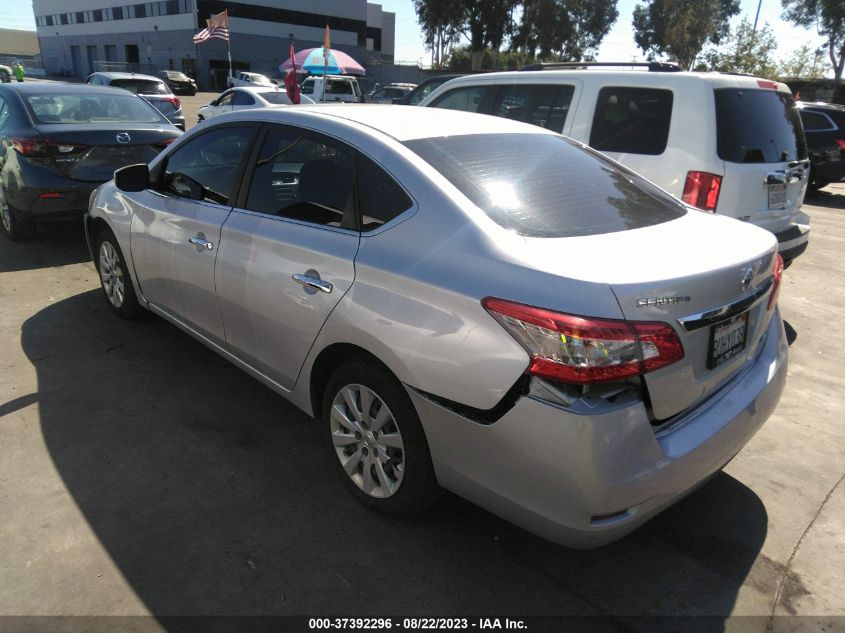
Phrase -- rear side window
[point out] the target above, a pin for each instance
(4, 112)
(340, 87)
(379, 196)
(542, 105)
(544, 185)
(758, 126)
(632, 120)
(467, 99)
(815, 122)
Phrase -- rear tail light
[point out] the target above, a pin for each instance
(762, 83)
(54, 194)
(41, 147)
(841, 143)
(701, 190)
(583, 350)
(174, 100)
(777, 274)
(163, 143)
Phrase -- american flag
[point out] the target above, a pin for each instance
(218, 28)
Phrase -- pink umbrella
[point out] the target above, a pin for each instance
(311, 60)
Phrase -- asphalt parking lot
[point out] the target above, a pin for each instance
(141, 474)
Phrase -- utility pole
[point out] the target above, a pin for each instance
(757, 17)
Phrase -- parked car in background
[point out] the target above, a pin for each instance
(426, 88)
(824, 127)
(249, 79)
(179, 83)
(726, 144)
(391, 93)
(152, 89)
(60, 141)
(240, 98)
(569, 352)
(339, 88)
(5, 74)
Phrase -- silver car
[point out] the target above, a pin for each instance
(464, 302)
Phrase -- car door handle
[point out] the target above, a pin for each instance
(196, 240)
(313, 282)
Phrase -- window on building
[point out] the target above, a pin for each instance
(98, 15)
(48, 19)
(140, 11)
(63, 18)
(171, 7)
(117, 13)
(80, 17)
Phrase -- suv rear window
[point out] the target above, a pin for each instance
(544, 185)
(758, 126)
(141, 86)
(632, 120)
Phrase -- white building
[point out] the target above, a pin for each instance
(79, 36)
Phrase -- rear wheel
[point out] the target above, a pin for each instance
(114, 277)
(15, 229)
(377, 439)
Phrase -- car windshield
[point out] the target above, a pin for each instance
(90, 108)
(543, 185)
(275, 97)
(176, 76)
(307, 88)
(141, 86)
(255, 78)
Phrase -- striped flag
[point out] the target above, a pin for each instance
(218, 28)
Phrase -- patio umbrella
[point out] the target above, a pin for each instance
(311, 60)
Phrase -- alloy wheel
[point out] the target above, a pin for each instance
(111, 274)
(367, 441)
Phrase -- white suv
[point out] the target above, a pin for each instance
(340, 88)
(726, 144)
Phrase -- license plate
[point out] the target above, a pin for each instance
(777, 196)
(727, 339)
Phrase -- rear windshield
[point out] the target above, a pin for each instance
(141, 86)
(90, 108)
(758, 126)
(543, 185)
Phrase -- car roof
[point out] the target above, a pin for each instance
(631, 77)
(820, 105)
(117, 75)
(256, 89)
(403, 123)
(54, 87)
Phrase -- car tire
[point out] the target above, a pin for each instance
(377, 442)
(114, 277)
(14, 228)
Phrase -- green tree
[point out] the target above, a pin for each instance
(440, 21)
(680, 28)
(572, 29)
(828, 18)
(744, 51)
(804, 63)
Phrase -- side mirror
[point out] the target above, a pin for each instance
(132, 178)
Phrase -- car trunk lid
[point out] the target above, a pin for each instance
(715, 285)
(92, 152)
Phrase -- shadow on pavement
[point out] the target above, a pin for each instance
(56, 245)
(825, 198)
(213, 495)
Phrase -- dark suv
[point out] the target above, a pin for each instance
(824, 127)
(152, 89)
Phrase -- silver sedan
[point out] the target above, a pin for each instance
(463, 302)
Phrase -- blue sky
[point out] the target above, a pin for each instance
(617, 46)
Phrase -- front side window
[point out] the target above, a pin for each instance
(632, 120)
(208, 166)
(545, 105)
(467, 99)
(242, 98)
(304, 176)
(226, 99)
(307, 87)
(544, 185)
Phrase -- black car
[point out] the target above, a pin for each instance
(426, 88)
(824, 127)
(58, 142)
(178, 82)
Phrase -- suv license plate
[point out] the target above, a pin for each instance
(777, 196)
(727, 339)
